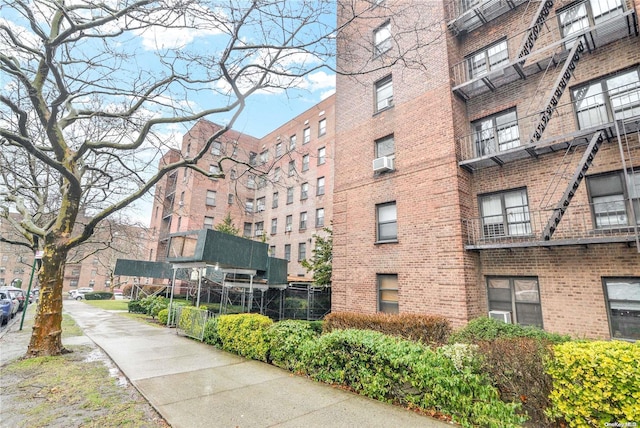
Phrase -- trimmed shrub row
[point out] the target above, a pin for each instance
(428, 329)
(98, 295)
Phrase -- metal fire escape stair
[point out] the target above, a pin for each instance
(574, 183)
(530, 37)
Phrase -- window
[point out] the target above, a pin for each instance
(185, 175)
(303, 220)
(580, 16)
(289, 195)
(216, 148)
(610, 195)
(251, 181)
(288, 223)
(287, 252)
(73, 283)
(95, 261)
(234, 175)
(274, 226)
(277, 173)
(188, 149)
(623, 304)
(320, 187)
(252, 158)
(75, 272)
(518, 295)
(274, 202)
(208, 223)
(470, 4)
(320, 217)
(387, 293)
(487, 59)
(322, 127)
(214, 169)
(230, 198)
(615, 97)
(246, 231)
(505, 214)
(279, 150)
(496, 133)
(306, 135)
(179, 223)
(384, 94)
(259, 228)
(387, 222)
(211, 198)
(302, 251)
(305, 163)
(385, 147)
(249, 206)
(292, 142)
(261, 203)
(292, 168)
(382, 39)
(304, 191)
(181, 198)
(264, 157)
(262, 182)
(321, 155)
(272, 251)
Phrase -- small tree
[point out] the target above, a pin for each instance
(320, 263)
(227, 226)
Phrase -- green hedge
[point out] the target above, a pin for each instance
(244, 334)
(485, 328)
(395, 370)
(285, 340)
(98, 295)
(163, 316)
(596, 383)
(211, 335)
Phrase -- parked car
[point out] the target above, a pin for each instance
(79, 293)
(16, 293)
(6, 307)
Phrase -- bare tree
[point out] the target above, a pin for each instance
(90, 95)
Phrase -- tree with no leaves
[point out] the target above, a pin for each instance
(90, 96)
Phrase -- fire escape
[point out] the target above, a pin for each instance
(559, 55)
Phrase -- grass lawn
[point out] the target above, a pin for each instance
(109, 305)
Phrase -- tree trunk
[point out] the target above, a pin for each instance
(46, 339)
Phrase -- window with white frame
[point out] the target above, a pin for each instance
(277, 173)
(230, 198)
(320, 186)
(287, 252)
(487, 59)
(216, 148)
(248, 206)
(274, 226)
(581, 15)
(289, 195)
(306, 135)
(208, 223)
(305, 163)
(615, 198)
(304, 191)
(288, 223)
(322, 153)
(251, 181)
(505, 214)
(214, 169)
(264, 157)
(292, 142)
(387, 293)
(272, 251)
(261, 203)
(274, 201)
(519, 296)
(302, 251)
(387, 222)
(211, 198)
(259, 228)
(279, 150)
(382, 38)
(385, 146)
(246, 231)
(322, 127)
(303, 220)
(320, 217)
(614, 97)
(292, 168)
(623, 306)
(496, 133)
(384, 93)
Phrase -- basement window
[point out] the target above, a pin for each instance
(623, 307)
(518, 295)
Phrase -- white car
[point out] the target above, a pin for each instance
(79, 293)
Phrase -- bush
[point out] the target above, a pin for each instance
(485, 328)
(390, 369)
(163, 316)
(211, 335)
(135, 307)
(427, 329)
(285, 340)
(98, 295)
(596, 383)
(192, 321)
(243, 334)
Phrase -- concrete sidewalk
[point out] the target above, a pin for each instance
(192, 384)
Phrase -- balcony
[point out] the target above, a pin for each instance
(572, 124)
(471, 78)
(467, 15)
(581, 225)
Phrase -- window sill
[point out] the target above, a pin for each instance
(388, 241)
(382, 110)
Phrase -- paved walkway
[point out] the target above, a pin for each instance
(192, 384)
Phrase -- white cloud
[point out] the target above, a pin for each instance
(321, 80)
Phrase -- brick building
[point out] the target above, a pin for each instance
(277, 189)
(500, 176)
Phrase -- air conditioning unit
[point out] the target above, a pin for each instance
(287, 228)
(260, 208)
(180, 204)
(503, 316)
(387, 102)
(383, 164)
(259, 232)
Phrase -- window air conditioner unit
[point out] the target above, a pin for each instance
(383, 164)
(387, 102)
(288, 228)
(503, 316)
(260, 208)
(259, 232)
(180, 204)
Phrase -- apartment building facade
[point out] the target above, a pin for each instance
(499, 178)
(277, 189)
